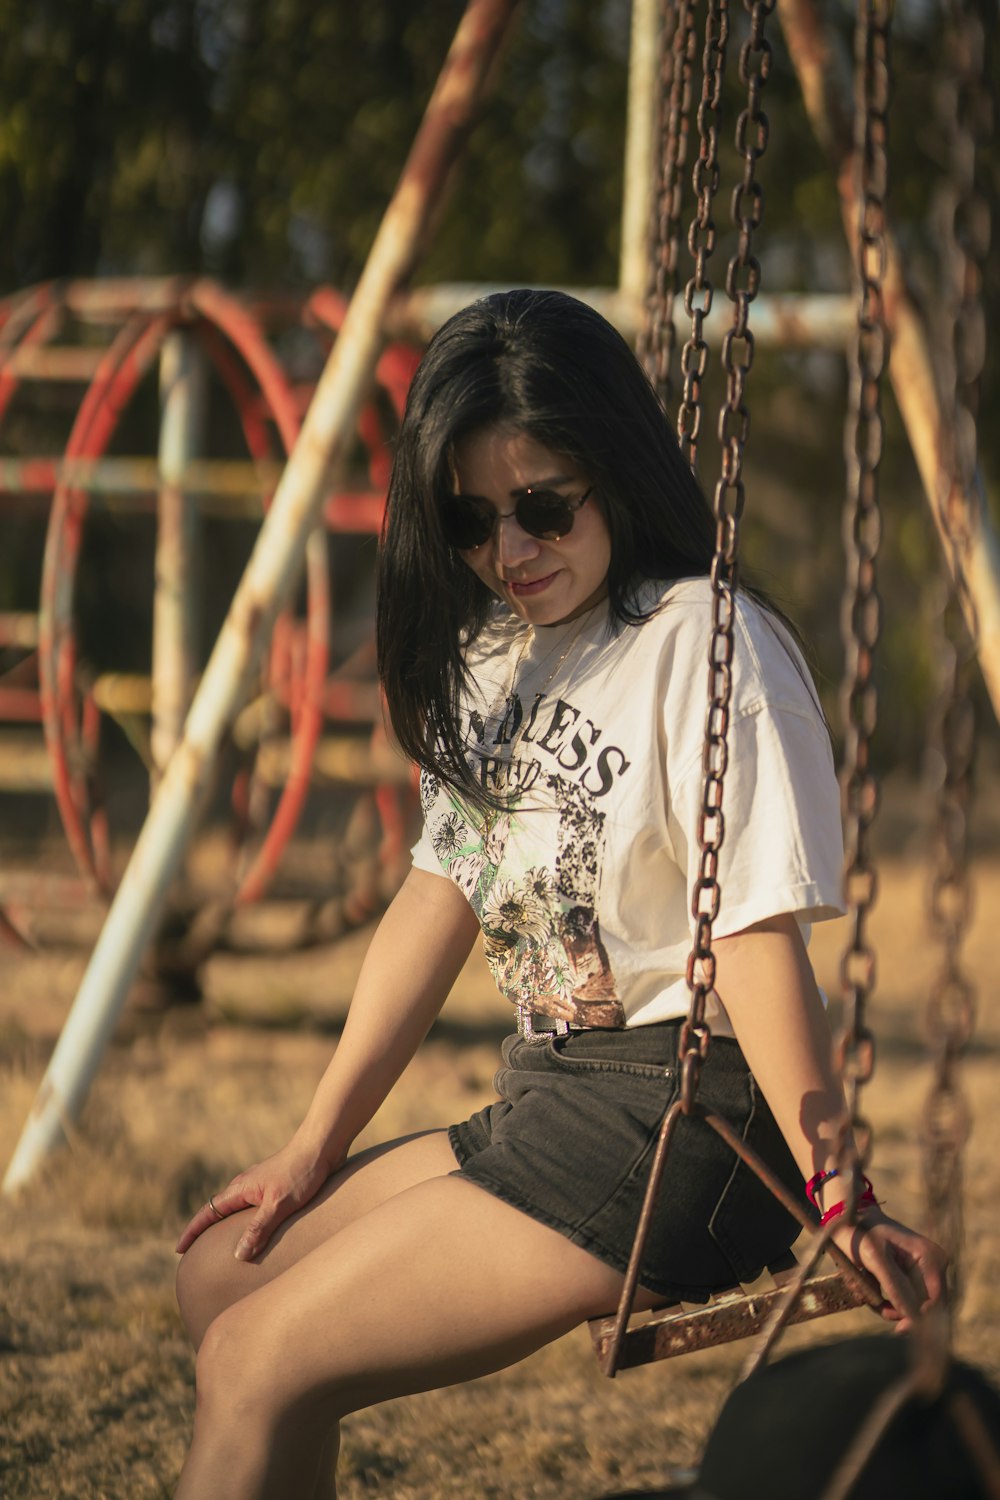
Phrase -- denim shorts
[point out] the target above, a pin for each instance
(571, 1138)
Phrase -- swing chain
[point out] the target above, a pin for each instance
(964, 110)
(658, 335)
(742, 282)
(702, 232)
(860, 620)
(950, 1009)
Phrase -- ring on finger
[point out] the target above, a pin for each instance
(211, 1204)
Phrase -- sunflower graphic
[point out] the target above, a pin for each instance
(449, 835)
(513, 908)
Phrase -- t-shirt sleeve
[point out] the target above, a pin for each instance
(782, 843)
(782, 847)
(424, 856)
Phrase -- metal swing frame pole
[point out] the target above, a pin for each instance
(274, 566)
(183, 373)
(640, 152)
(821, 64)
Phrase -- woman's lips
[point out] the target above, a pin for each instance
(532, 586)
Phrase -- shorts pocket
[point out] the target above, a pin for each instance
(748, 1224)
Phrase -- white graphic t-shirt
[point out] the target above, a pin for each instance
(583, 883)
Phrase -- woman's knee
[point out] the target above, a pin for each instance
(209, 1279)
(241, 1373)
(225, 1365)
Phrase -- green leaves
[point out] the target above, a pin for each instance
(121, 117)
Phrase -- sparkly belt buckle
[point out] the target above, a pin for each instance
(533, 1026)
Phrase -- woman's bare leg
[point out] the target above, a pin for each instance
(440, 1283)
(210, 1279)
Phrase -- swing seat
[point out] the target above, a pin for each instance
(733, 1313)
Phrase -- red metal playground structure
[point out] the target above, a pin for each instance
(112, 337)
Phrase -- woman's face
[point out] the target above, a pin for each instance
(545, 582)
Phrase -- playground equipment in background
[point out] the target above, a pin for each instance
(194, 330)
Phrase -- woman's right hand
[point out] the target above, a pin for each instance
(910, 1269)
(412, 962)
(276, 1187)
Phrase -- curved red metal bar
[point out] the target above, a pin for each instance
(257, 384)
(19, 312)
(125, 363)
(45, 324)
(245, 400)
(243, 332)
(393, 374)
(120, 370)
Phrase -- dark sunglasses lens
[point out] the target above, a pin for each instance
(544, 514)
(466, 524)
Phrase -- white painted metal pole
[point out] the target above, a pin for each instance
(270, 574)
(183, 391)
(639, 169)
(782, 320)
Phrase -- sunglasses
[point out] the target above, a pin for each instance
(468, 522)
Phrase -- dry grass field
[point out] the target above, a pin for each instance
(95, 1375)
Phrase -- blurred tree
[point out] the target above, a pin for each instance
(261, 139)
(106, 103)
(320, 103)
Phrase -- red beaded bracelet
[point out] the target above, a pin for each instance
(815, 1183)
(866, 1199)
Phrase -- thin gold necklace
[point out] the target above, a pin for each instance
(568, 645)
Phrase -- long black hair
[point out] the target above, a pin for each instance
(548, 365)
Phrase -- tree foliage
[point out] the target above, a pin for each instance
(261, 139)
(105, 102)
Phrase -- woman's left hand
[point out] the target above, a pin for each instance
(909, 1268)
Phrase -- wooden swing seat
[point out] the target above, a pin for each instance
(733, 1313)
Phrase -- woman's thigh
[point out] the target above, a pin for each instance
(210, 1278)
(439, 1283)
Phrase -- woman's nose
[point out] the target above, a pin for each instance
(513, 545)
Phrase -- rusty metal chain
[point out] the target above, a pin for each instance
(658, 335)
(860, 619)
(950, 1009)
(701, 233)
(964, 117)
(742, 284)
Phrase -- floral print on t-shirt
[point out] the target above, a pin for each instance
(541, 936)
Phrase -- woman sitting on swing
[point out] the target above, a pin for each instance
(543, 619)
